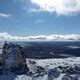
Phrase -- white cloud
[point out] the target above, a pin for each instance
(4, 15)
(70, 37)
(61, 7)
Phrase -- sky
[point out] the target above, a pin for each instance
(39, 17)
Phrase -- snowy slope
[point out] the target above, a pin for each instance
(48, 69)
(52, 64)
(56, 62)
(54, 72)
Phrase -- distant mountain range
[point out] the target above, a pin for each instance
(69, 37)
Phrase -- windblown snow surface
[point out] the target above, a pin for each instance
(48, 69)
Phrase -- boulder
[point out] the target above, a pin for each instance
(53, 72)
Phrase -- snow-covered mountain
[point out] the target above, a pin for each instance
(8, 37)
(41, 69)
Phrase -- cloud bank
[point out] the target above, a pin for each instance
(61, 7)
(4, 15)
(69, 37)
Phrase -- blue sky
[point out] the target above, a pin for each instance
(22, 17)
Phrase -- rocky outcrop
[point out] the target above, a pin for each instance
(19, 67)
(1, 63)
(13, 58)
(67, 72)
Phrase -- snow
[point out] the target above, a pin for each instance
(74, 47)
(43, 69)
(56, 62)
(48, 64)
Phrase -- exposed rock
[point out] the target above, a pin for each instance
(1, 63)
(53, 72)
(40, 71)
(32, 62)
(20, 69)
(14, 60)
